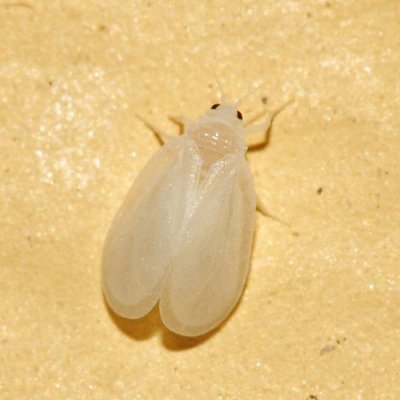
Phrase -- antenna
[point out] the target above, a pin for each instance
(250, 91)
(222, 93)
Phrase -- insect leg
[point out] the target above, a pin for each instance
(265, 127)
(182, 122)
(264, 211)
(161, 137)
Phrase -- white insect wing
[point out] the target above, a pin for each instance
(145, 233)
(182, 238)
(209, 271)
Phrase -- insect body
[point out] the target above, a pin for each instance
(183, 235)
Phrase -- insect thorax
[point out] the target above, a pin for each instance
(215, 140)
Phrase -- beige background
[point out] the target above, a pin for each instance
(319, 318)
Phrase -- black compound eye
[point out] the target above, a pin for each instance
(239, 115)
(213, 107)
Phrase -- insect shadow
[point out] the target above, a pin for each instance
(149, 325)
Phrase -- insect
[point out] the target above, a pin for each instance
(183, 236)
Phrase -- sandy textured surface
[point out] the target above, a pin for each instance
(319, 318)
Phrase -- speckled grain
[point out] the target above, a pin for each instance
(320, 315)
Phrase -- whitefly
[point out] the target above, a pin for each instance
(183, 236)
